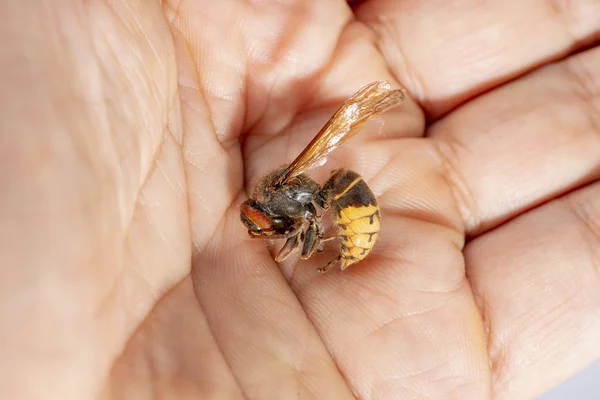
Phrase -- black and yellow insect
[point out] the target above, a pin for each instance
(288, 204)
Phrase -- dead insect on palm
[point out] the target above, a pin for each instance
(287, 203)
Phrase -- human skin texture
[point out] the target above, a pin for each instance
(131, 131)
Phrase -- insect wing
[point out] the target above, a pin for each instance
(371, 100)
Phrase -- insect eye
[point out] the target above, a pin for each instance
(254, 218)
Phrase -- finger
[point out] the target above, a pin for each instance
(524, 143)
(172, 355)
(254, 62)
(448, 52)
(268, 342)
(538, 279)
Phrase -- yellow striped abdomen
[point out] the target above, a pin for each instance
(358, 230)
(356, 215)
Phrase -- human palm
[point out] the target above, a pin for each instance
(133, 131)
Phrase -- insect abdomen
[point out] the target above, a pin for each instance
(356, 215)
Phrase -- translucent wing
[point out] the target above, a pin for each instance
(371, 100)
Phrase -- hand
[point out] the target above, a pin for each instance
(133, 130)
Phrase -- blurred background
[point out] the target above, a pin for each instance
(584, 386)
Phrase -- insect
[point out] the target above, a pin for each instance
(288, 204)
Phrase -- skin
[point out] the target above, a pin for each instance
(132, 131)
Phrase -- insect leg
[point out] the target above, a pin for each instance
(311, 239)
(291, 245)
(331, 264)
(322, 242)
